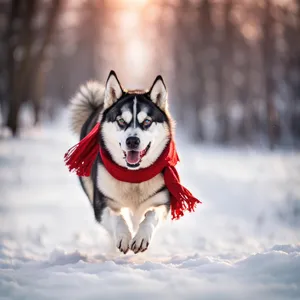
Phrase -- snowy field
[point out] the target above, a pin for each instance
(241, 243)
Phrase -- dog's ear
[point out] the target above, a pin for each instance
(158, 93)
(113, 90)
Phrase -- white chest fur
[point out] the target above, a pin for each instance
(127, 195)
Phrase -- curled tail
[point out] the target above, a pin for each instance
(86, 101)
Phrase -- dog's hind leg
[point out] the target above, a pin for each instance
(116, 225)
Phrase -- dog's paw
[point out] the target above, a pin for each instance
(123, 241)
(141, 240)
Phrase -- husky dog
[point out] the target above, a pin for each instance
(135, 129)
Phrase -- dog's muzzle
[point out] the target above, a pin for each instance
(132, 156)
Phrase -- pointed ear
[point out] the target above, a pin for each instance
(113, 90)
(158, 93)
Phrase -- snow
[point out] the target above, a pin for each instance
(241, 243)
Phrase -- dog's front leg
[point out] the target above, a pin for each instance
(116, 225)
(153, 217)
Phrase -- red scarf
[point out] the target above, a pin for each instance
(81, 157)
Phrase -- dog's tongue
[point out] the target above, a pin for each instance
(133, 157)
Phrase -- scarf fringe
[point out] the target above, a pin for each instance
(81, 157)
(181, 198)
(181, 202)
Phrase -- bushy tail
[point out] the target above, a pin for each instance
(88, 99)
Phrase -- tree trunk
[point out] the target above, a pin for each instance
(37, 95)
(13, 107)
(37, 76)
(246, 126)
(179, 34)
(268, 60)
(224, 73)
(19, 72)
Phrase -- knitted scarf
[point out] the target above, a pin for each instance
(81, 157)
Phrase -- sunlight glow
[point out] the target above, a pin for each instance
(134, 3)
(137, 56)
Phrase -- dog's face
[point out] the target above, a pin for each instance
(135, 127)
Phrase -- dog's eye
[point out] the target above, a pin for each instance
(121, 122)
(147, 123)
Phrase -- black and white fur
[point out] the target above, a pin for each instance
(135, 129)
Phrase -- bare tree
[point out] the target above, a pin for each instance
(37, 74)
(268, 50)
(224, 73)
(18, 35)
(24, 63)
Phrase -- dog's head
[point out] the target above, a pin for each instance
(135, 125)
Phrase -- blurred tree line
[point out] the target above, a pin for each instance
(23, 50)
(40, 43)
(242, 70)
(232, 66)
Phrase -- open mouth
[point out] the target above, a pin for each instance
(133, 158)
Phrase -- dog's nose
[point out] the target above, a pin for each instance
(132, 142)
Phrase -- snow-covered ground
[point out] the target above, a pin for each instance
(241, 243)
